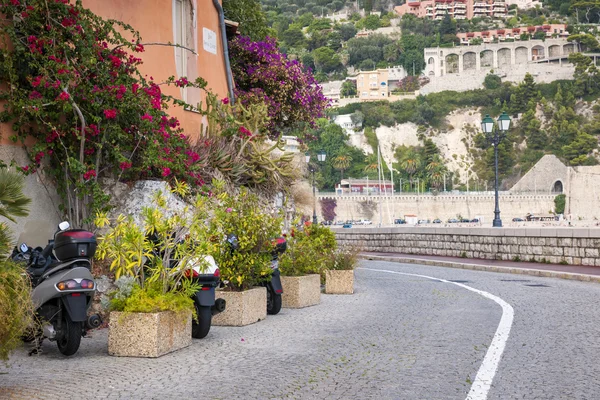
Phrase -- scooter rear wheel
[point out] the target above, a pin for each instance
(68, 342)
(273, 302)
(200, 329)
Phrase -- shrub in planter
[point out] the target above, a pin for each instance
(302, 265)
(339, 275)
(243, 216)
(148, 281)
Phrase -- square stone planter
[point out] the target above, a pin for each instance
(301, 291)
(339, 281)
(243, 308)
(148, 334)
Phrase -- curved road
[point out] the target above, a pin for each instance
(400, 336)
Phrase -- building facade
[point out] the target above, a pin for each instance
(373, 85)
(513, 34)
(457, 9)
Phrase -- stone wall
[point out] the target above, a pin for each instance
(576, 246)
(442, 206)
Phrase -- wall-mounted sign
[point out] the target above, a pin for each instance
(209, 40)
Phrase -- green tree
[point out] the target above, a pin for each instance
(326, 60)
(342, 163)
(348, 31)
(587, 74)
(448, 26)
(371, 22)
(348, 88)
(249, 14)
(293, 37)
(536, 138)
(436, 171)
(492, 81)
(577, 151)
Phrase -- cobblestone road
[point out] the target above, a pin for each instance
(397, 337)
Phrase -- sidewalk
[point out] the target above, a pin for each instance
(573, 272)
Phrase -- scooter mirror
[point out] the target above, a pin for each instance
(63, 226)
(24, 248)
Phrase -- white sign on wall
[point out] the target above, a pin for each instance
(209, 39)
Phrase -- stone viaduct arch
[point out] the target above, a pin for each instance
(557, 187)
(502, 56)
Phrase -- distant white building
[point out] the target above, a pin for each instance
(524, 4)
(345, 121)
(291, 144)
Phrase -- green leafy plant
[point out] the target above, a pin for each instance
(310, 250)
(344, 258)
(242, 214)
(16, 307)
(157, 254)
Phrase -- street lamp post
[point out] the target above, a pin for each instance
(320, 157)
(495, 133)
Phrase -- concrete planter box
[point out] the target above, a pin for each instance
(301, 291)
(243, 308)
(148, 334)
(339, 281)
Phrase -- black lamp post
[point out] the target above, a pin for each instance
(495, 133)
(320, 157)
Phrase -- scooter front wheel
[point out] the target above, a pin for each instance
(70, 337)
(273, 302)
(200, 329)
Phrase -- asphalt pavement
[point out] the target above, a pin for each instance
(410, 331)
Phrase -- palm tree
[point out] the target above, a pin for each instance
(13, 203)
(411, 162)
(342, 163)
(436, 171)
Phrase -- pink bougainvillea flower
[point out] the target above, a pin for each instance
(35, 82)
(166, 171)
(15, 2)
(244, 131)
(225, 100)
(229, 209)
(89, 174)
(125, 165)
(25, 168)
(147, 117)
(35, 95)
(110, 114)
(139, 48)
(64, 96)
(182, 82)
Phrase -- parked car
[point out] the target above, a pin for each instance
(517, 219)
(347, 226)
(399, 221)
(366, 222)
(475, 220)
(453, 221)
(423, 221)
(437, 221)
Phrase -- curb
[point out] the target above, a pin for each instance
(481, 267)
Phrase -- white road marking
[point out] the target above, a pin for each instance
(483, 380)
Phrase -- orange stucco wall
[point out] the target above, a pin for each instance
(154, 20)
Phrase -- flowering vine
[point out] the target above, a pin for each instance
(265, 75)
(72, 83)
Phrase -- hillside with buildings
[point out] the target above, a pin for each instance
(413, 80)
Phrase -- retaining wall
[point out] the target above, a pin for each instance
(577, 246)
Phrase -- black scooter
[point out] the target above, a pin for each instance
(274, 287)
(63, 287)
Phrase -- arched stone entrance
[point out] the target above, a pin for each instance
(487, 58)
(557, 187)
(504, 58)
(521, 55)
(469, 61)
(452, 64)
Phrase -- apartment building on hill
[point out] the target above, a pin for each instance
(510, 34)
(457, 9)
